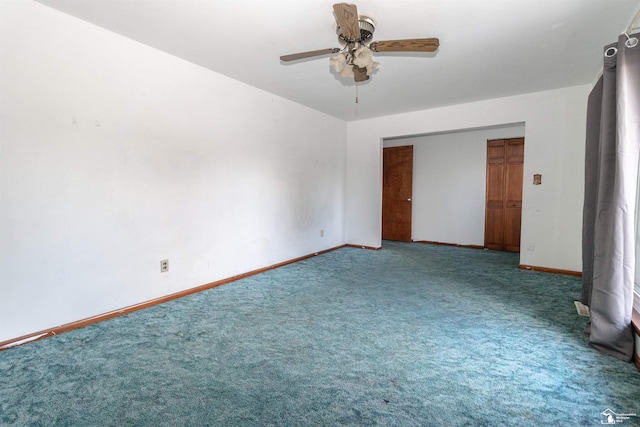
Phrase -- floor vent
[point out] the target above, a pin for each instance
(582, 309)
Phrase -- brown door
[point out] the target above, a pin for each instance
(397, 183)
(505, 159)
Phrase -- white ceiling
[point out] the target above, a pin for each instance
(488, 48)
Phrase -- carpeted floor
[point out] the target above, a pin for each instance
(412, 335)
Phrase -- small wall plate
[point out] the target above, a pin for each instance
(537, 179)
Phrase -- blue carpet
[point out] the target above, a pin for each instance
(412, 335)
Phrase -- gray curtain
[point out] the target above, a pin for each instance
(611, 182)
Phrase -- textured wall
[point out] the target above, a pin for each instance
(114, 156)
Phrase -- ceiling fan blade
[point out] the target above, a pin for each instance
(309, 54)
(347, 17)
(408, 45)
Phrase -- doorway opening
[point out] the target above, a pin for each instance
(448, 186)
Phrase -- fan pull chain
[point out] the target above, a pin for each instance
(356, 93)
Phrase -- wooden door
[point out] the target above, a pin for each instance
(503, 212)
(397, 187)
(494, 212)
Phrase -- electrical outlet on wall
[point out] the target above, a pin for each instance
(164, 266)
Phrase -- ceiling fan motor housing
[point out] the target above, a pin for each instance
(367, 28)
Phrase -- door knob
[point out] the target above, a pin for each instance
(409, 199)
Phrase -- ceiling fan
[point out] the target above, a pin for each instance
(355, 59)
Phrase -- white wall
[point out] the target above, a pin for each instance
(114, 156)
(554, 147)
(449, 183)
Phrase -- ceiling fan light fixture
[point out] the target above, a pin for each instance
(363, 58)
(348, 73)
(340, 65)
(338, 62)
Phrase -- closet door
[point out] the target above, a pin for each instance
(503, 211)
(513, 194)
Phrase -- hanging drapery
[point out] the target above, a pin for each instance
(611, 182)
